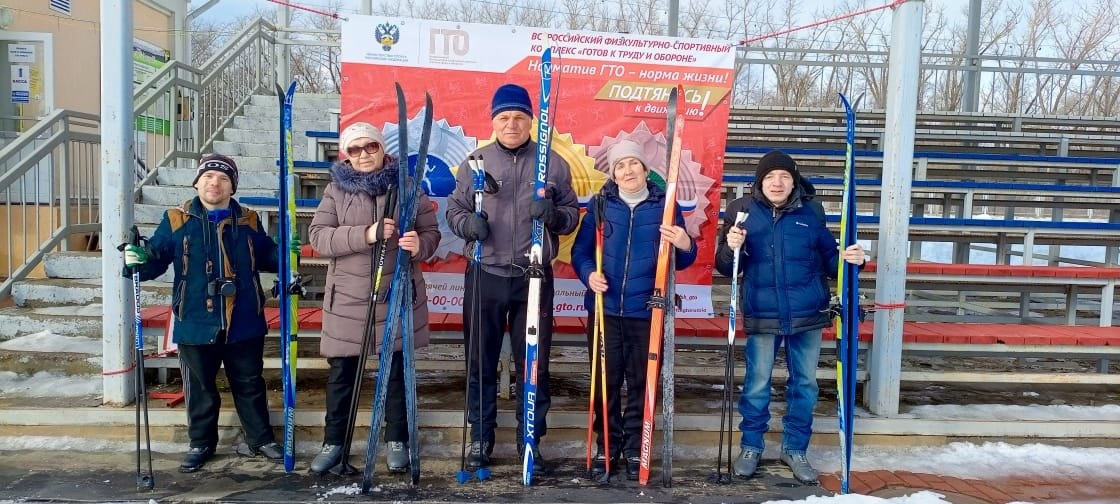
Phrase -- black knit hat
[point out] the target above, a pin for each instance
(220, 163)
(775, 160)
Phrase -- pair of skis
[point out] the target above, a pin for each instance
(289, 286)
(847, 290)
(399, 314)
(661, 304)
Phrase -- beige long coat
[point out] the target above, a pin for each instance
(338, 232)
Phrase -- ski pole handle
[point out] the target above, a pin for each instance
(739, 218)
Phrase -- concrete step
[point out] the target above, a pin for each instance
(300, 125)
(87, 265)
(246, 179)
(66, 292)
(260, 147)
(319, 102)
(149, 214)
(249, 164)
(66, 320)
(171, 196)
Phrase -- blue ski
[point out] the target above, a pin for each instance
(536, 272)
(289, 287)
(847, 290)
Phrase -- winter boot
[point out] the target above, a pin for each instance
(745, 466)
(328, 457)
(800, 467)
(397, 458)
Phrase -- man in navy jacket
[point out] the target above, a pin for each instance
(786, 252)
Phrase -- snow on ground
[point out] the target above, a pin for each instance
(1006, 412)
(46, 341)
(993, 460)
(47, 384)
(923, 497)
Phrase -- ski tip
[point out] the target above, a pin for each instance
(463, 477)
(482, 474)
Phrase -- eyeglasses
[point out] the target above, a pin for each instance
(356, 150)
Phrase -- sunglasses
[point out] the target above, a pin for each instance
(356, 150)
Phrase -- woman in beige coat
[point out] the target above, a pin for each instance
(350, 221)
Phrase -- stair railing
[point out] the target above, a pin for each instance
(49, 192)
(181, 110)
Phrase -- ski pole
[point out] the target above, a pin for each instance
(144, 481)
(725, 421)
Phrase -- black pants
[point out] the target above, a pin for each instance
(627, 349)
(340, 390)
(243, 363)
(501, 301)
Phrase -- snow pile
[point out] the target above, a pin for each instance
(47, 384)
(1006, 412)
(923, 497)
(46, 341)
(993, 460)
(351, 489)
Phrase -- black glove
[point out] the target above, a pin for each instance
(475, 227)
(545, 211)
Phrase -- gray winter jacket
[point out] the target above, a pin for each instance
(505, 251)
(338, 232)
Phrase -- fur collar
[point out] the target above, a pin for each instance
(374, 183)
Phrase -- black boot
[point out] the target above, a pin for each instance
(196, 458)
(479, 455)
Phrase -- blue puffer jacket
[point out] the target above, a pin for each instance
(630, 243)
(786, 256)
(185, 239)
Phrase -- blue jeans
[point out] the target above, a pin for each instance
(802, 352)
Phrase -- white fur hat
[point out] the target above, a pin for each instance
(359, 130)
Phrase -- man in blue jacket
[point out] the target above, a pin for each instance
(786, 253)
(216, 248)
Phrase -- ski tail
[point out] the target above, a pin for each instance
(536, 272)
(847, 291)
(658, 302)
(289, 287)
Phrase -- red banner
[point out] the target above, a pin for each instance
(606, 88)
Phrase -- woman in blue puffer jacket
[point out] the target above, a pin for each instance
(632, 209)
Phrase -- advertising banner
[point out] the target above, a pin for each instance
(606, 87)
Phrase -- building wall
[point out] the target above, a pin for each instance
(77, 44)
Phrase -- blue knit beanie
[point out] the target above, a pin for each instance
(511, 97)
